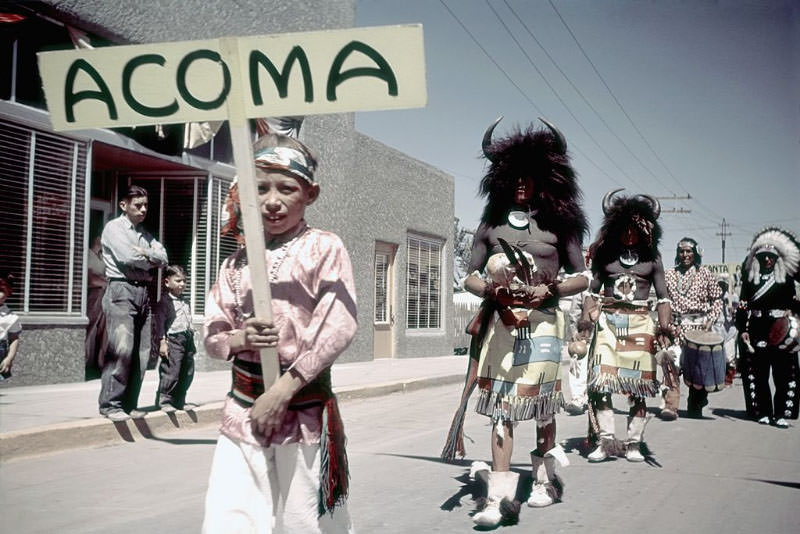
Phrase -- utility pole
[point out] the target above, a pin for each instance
(723, 234)
(676, 210)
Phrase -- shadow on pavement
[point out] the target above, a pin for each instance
(124, 431)
(793, 485)
(731, 414)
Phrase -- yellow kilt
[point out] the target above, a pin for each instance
(519, 371)
(622, 355)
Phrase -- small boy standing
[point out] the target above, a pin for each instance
(280, 457)
(10, 329)
(176, 345)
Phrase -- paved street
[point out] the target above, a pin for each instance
(723, 474)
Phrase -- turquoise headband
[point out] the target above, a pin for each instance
(287, 158)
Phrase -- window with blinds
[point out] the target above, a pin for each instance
(213, 247)
(381, 287)
(42, 177)
(423, 290)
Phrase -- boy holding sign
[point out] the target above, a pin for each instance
(280, 458)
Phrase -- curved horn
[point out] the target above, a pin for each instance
(654, 203)
(487, 138)
(607, 200)
(561, 142)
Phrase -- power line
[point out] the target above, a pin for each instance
(583, 97)
(614, 96)
(624, 111)
(496, 64)
(675, 210)
(557, 95)
(519, 89)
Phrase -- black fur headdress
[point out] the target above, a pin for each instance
(640, 210)
(541, 155)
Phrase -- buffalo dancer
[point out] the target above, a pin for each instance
(531, 227)
(625, 264)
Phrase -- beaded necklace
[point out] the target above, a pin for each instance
(276, 258)
(685, 280)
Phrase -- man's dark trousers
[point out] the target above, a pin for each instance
(127, 309)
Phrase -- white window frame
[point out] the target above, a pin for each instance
(77, 154)
(385, 319)
(415, 292)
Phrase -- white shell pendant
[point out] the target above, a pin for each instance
(518, 220)
(628, 258)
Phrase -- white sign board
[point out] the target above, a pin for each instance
(356, 69)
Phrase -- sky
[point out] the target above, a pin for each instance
(673, 98)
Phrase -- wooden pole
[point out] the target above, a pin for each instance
(242, 141)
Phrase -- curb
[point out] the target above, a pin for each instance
(158, 425)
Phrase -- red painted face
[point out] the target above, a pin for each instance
(630, 237)
(523, 191)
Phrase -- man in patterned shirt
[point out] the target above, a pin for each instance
(696, 301)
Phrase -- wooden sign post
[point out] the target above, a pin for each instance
(235, 79)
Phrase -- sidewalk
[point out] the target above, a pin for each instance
(42, 419)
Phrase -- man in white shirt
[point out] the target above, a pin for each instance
(130, 254)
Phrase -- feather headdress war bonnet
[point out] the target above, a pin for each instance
(540, 154)
(779, 242)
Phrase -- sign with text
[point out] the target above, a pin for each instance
(356, 69)
(724, 268)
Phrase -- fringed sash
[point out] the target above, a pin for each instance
(334, 472)
(500, 406)
(247, 385)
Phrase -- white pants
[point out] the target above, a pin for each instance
(257, 490)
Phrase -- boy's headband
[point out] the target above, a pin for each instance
(288, 159)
